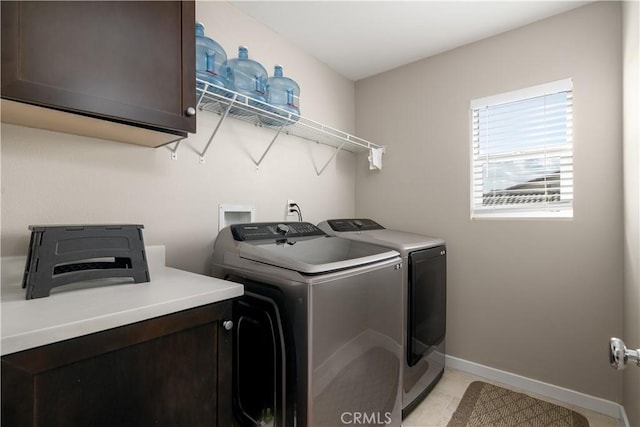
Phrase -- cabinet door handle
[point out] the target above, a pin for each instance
(228, 325)
(190, 111)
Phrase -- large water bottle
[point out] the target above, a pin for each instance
(211, 61)
(283, 93)
(249, 78)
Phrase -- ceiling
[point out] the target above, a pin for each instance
(361, 38)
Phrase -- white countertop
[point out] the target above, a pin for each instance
(80, 309)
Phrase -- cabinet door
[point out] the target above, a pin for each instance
(124, 61)
(169, 371)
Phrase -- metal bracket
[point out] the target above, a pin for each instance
(269, 147)
(330, 159)
(174, 150)
(215, 131)
(199, 103)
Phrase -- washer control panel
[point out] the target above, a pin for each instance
(354, 224)
(274, 230)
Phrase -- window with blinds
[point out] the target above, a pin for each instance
(522, 153)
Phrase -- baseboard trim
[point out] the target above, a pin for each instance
(551, 391)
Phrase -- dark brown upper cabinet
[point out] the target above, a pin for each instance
(123, 69)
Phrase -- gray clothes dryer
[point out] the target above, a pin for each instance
(317, 340)
(424, 290)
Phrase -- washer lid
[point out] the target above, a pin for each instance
(366, 230)
(314, 255)
(398, 240)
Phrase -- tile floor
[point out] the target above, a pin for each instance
(438, 407)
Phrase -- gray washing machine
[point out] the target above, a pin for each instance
(424, 289)
(318, 339)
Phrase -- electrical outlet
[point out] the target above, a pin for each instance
(287, 210)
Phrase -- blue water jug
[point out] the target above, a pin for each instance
(249, 78)
(283, 93)
(211, 61)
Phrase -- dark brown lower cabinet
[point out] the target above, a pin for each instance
(173, 370)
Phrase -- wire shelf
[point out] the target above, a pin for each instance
(225, 102)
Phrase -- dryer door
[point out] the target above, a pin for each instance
(427, 301)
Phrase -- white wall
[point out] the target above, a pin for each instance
(539, 298)
(55, 178)
(631, 147)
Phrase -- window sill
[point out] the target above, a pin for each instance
(564, 214)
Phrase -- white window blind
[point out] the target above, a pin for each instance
(522, 153)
